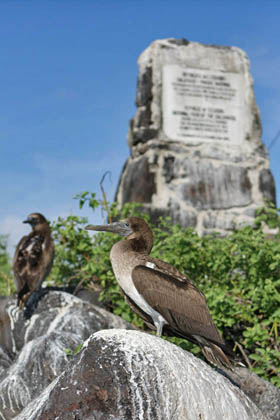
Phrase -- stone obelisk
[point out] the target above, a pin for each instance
(196, 152)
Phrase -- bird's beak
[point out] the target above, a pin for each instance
(27, 221)
(121, 227)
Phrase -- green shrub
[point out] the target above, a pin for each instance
(239, 275)
(6, 279)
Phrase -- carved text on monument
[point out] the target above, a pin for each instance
(202, 105)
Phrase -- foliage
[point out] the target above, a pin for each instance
(239, 275)
(76, 350)
(6, 280)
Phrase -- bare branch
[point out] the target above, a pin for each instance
(245, 357)
(105, 204)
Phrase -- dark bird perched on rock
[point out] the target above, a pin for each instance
(33, 258)
(165, 298)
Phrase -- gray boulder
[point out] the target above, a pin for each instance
(125, 375)
(32, 353)
(117, 375)
(262, 393)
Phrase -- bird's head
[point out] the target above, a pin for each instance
(36, 220)
(132, 228)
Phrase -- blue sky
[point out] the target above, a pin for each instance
(68, 74)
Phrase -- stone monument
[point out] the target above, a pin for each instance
(195, 141)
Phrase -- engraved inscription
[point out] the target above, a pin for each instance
(202, 105)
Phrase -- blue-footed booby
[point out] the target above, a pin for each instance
(33, 257)
(164, 297)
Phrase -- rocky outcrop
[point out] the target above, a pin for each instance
(33, 353)
(117, 375)
(126, 375)
(195, 141)
(262, 393)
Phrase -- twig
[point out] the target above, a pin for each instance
(274, 369)
(245, 357)
(78, 287)
(105, 202)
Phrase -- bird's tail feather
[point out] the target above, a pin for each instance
(215, 355)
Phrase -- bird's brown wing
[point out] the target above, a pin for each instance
(182, 305)
(26, 266)
(19, 263)
(167, 268)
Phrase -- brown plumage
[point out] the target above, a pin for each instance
(165, 298)
(33, 257)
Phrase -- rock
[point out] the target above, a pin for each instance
(124, 375)
(195, 140)
(118, 374)
(218, 188)
(266, 185)
(210, 221)
(33, 352)
(140, 185)
(262, 393)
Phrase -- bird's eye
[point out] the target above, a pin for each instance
(126, 224)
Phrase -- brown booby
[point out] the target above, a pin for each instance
(164, 298)
(33, 257)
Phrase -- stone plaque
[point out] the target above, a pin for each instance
(202, 105)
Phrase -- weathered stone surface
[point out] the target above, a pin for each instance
(181, 214)
(115, 376)
(210, 221)
(195, 140)
(32, 353)
(208, 187)
(140, 183)
(266, 185)
(126, 375)
(263, 393)
(144, 88)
